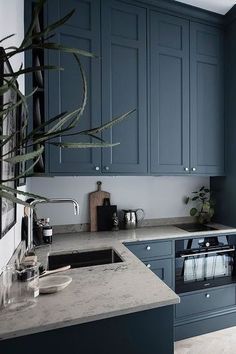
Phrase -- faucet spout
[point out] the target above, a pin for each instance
(46, 201)
(57, 200)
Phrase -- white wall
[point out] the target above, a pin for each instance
(160, 197)
(12, 21)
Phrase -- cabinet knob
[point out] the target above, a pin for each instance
(148, 248)
(148, 265)
(186, 169)
(97, 168)
(106, 168)
(207, 296)
(194, 169)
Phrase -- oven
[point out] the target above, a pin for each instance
(204, 262)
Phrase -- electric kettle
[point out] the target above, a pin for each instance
(132, 218)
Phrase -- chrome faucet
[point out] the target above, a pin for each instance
(46, 201)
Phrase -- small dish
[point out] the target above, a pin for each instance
(53, 283)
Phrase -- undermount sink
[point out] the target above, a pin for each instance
(78, 259)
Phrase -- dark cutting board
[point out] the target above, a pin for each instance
(104, 217)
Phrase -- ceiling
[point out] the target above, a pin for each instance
(219, 6)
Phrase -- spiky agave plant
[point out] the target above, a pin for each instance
(58, 126)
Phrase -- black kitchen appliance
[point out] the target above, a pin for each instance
(204, 262)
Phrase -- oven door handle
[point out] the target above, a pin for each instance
(205, 253)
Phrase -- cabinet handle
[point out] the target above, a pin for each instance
(148, 248)
(148, 265)
(194, 169)
(106, 168)
(186, 169)
(97, 168)
(207, 296)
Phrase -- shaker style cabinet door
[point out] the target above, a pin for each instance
(207, 106)
(169, 77)
(65, 87)
(124, 86)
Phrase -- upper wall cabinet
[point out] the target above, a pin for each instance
(169, 54)
(207, 100)
(167, 68)
(65, 87)
(124, 86)
(187, 116)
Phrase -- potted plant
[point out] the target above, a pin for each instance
(204, 205)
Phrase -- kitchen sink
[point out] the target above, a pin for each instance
(78, 259)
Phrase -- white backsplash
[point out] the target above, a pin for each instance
(160, 197)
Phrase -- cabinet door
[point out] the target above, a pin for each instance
(124, 86)
(206, 112)
(169, 75)
(65, 88)
(163, 268)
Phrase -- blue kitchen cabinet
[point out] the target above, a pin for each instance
(142, 332)
(121, 59)
(169, 79)
(158, 256)
(163, 268)
(187, 114)
(65, 87)
(124, 86)
(166, 67)
(207, 100)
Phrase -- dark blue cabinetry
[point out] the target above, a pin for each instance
(165, 66)
(116, 83)
(187, 115)
(169, 68)
(158, 256)
(65, 87)
(124, 86)
(207, 100)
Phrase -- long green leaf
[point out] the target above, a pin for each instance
(26, 194)
(33, 69)
(7, 37)
(6, 86)
(56, 128)
(4, 137)
(62, 48)
(6, 140)
(82, 145)
(35, 132)
(37, 9)
(109, 124)
(25, 157)
(52, 26)
(12, 198)
(29, 169)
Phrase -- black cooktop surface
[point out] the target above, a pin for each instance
(195, 227)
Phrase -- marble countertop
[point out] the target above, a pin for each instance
(99, 292)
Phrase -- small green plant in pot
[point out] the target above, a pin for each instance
(204, 209)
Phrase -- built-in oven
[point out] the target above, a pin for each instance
(204, 262)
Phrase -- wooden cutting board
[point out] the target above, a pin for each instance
(96, 199)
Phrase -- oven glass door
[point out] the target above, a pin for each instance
(197, 271)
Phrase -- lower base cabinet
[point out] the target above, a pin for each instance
(145, 332)
(163, 269)
(199, 311)
(205, 311)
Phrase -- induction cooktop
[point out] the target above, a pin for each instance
(195, 227)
